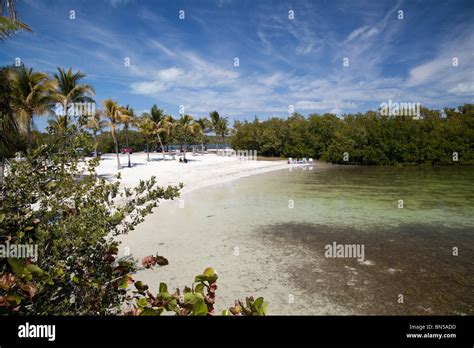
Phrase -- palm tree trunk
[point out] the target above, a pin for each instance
(63, 142)
(2, 170)
(116, 149)
(147, 151)
(65, 113)
(29, 133)
(96, 144)
(202, 147)
(162, 148)
(128, 148)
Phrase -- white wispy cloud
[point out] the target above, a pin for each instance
(203, 83)
(116, 3)
(357, 32)
(451, 70)
(284, 62)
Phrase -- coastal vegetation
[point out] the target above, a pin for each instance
(438, 137)
(442, 137)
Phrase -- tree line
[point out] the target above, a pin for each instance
(437, 137)
(27, 94)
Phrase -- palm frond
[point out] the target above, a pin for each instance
(10, 27)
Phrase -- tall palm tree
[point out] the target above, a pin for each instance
(215, 117)
(186, 130)
(167, 127)
(112, 112)
(147, 127)
(9, 23)
(205, 126)
(156, 114)
(95, 124)
(168, 124)
(127, 119)
(31, 96)
(9, 130)
(69, 90)
(159, 118)
(223, 129)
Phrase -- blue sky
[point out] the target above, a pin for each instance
(282, 61)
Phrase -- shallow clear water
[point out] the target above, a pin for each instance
(282, 221)
(360, 196)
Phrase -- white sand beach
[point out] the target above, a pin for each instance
(200, 171)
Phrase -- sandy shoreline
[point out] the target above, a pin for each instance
(201, 170)
(191, 247)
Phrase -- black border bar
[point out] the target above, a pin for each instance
(270, 330)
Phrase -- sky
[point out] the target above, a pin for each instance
(324, 56)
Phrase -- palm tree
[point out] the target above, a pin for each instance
(112, 112)
(223, 129)
(215, 117)
(9, 130)
(168, 124)
(147, 128)
(10, 26)
(95, 124)
(156, 114)
(127, 118)
(205, 126)
(71, 91)
(186, 130)
(161, 124)
(56, 126)
(31, 96)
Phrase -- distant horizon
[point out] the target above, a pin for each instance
(309, 56)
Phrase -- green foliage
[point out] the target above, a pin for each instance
(56, 200)
(369, 139)
(136, 141)
(31, 95)
(9, 128)
(9, 27)
(197, 300)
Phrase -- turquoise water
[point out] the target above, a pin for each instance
(282, 221)
(364, 196)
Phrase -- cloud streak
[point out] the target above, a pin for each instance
(283, 62)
